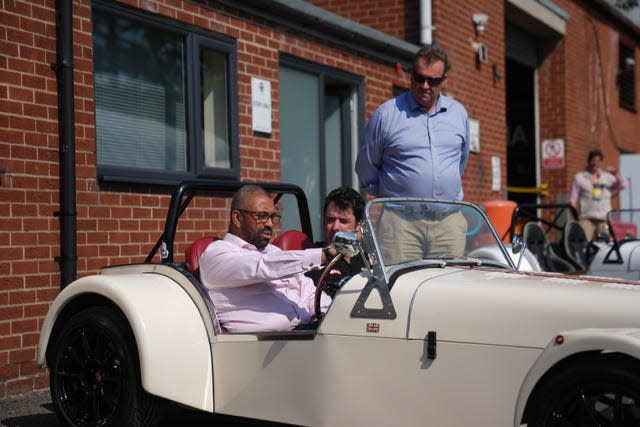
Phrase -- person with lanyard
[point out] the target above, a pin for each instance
(591, 193)
(417, 145)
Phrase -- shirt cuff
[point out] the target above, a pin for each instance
(312, 258)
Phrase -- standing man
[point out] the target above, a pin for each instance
(591, 193)
(256, 286)
(417, 145)
(343, 211)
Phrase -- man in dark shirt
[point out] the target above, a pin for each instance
(343, 211)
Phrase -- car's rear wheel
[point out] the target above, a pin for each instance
(600, 392)
(95, 375)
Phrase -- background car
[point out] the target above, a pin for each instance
(553, 235)
(558, 242)
(619, 255)
(442, 338)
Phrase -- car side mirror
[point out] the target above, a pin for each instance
(516, 244)
(347, 243)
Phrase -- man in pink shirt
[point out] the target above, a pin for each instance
(256, 286)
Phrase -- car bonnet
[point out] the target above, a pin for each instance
(504, 308)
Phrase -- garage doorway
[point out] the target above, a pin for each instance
(522, 164)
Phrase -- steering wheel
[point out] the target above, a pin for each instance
(320, 285)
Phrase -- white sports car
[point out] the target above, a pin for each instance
(444, 338)
(619, 256)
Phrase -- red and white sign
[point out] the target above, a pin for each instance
(553, 153)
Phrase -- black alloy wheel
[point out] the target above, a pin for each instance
(95, 375)
(603, 392)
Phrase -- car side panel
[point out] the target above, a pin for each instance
(354, 380)
(349, 375)
(174, 351)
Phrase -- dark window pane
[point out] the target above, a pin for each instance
(626, 78)
(139, 95)
(215, 122)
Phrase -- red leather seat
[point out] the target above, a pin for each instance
(192, 260)
(194, 251)
(293, 240)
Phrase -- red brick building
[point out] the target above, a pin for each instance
(105, 106)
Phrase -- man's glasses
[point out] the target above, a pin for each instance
(433, 81)
(262, 217)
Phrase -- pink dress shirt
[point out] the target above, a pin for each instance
(257, 291)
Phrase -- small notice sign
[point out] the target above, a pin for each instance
(474, 130)
(495, 173)
(553, 153)
(261, 105)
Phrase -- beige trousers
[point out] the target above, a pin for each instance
(400, 239)
(593, 226)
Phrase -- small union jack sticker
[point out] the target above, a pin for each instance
(373, 327)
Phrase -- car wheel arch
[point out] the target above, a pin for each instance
(592, 361)
(159, 338)
(554, 371)
(580, 345)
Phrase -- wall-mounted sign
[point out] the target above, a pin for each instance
(260, 105)
(474, 130)
(496, 181)
(552, 153)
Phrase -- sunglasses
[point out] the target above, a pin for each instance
(433, 81)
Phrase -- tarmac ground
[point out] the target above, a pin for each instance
(34, 409)
(31, 409)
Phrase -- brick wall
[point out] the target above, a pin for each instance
(28, 189)
(473, 84)
(397, 18)
(579, 97)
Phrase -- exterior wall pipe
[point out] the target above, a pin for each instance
(426, 26)
(66, 125)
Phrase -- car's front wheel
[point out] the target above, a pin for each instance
(595, 392)
(95, 375)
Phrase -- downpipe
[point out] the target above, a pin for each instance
(66, 128)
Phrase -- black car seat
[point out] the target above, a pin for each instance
(538, 243)
(575, 244)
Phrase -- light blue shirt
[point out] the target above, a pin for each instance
(410, 153)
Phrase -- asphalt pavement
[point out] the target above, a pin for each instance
(31, 409)
(34, 409)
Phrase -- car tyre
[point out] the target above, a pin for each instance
(603, 391)
(95, 374)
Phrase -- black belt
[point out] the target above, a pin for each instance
(418, 212)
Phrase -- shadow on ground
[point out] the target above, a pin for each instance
(38, 420)
(34, 409)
